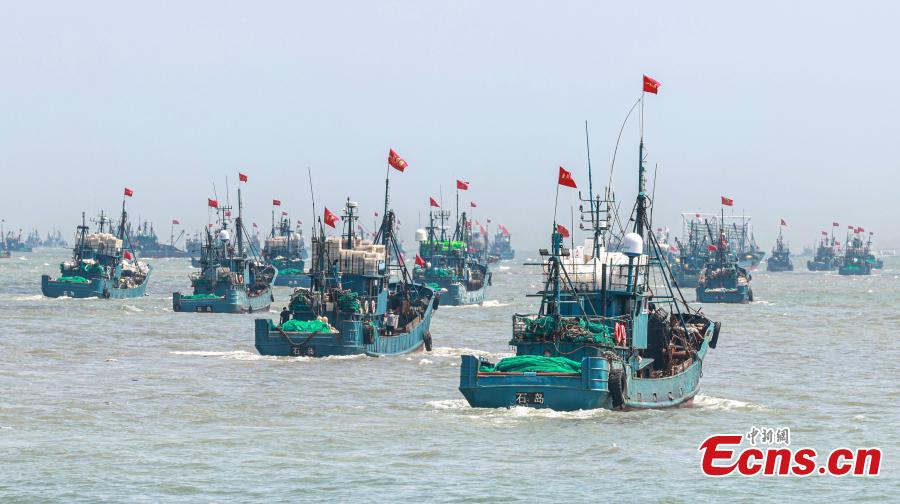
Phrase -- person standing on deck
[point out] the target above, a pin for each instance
(285, 315)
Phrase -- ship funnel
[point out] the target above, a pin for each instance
(633, 245)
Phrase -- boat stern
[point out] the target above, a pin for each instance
(588, 389)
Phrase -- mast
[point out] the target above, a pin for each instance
(239, 226)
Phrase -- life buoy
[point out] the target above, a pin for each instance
(240, 279)
(427, 339)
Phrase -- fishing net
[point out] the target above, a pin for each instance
(348, 301)
(73, 279)
(433, 286)
(573, 329)
(533, 363)
(290, 271)
(306, 326)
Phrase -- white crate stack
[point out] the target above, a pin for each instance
(363, 259)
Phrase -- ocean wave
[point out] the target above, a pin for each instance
(503, 268)
(131, 308)
(722, 404)
(502, 415)
(459, 352)
(34, 297)
(425, 361)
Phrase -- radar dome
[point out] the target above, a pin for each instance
(633, 245)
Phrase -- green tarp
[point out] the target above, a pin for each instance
(533, 363)
(201, 296)
(306, 326)
(73, 279)
(580, 330)
(290, 271)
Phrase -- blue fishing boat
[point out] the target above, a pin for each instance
(103, 265)
(780, 260)
(4, 251)
(858, 260)
(147, 242)
(692, 254)
(14, 243)
(826, 257)
(723, 279)
(285, 249)
(607, 334)
(447, 265)
(501, 246)
(231, 278)
(361, 300)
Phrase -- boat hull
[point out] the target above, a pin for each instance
(349, 340)
(820, 265)
(578, 391)
(742, 294)
(234, 301)
(458, 295)
(283, 280)
(852, 270)
(774, 267)
(687, 280)
(98, 288)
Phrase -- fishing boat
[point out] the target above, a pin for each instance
(825, 258)
(722, 279)
(285, 249)
(361, 300)
(501, 246)
(4, 251)
(55, 240)
(15, 244)
(445, 264)
(858, 259)
(231, 278)
(738, 233)
(103, 265)
(148, 244)
(692, 254)
(612, 330)
(780, 260)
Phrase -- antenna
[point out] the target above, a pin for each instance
(312, 196)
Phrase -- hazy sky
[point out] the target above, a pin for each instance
(787, 107)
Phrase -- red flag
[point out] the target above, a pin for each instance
(727, 201)
(209, 225)
(129, 192)
(127, 254)
(255, 225)
(212, 203)
(783, 223)
(462, 185)
(562, 230)
(396, 161)
(376, 214)
(697, 215)
(850, 227)
(712, 248)
(565, 178)
(473, 205)
(434, 203)
(276, 202)
(504, 230)
(420, 261)
(227, 213)
(835, 224)
(824, 233)
(651, 85)
(837, 242)
(242, 177)
(175, 221)
(860, 230)
(284, 213)
(620, 335)
(330, 218)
